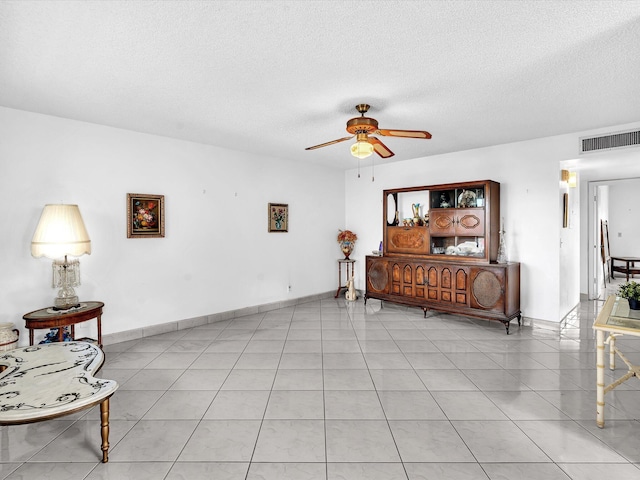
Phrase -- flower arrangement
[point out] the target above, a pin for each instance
(347, 240)
(144, 216)
(347, 236)
(278, 217)
(629, 290)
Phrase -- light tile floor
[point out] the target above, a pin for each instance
(333, 390)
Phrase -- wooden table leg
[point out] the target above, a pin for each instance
(600, 378)
(99, 318)
(339, 279)
(627, 264)
(104, 424)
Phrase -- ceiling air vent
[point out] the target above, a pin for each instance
(607, 142)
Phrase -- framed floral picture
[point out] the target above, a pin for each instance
(145, 215)
(278, 217)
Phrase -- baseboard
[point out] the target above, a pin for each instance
(543, 324)
(137, 333)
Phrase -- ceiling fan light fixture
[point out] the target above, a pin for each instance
(362, 148)
(362, 127)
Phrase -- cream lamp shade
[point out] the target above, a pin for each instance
(361, 149)
(60, 232)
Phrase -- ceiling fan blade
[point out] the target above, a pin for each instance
(330, 143)
(380, 148)
(404, 133)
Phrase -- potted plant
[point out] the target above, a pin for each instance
(630, 291)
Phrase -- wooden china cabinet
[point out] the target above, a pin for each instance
(440, 250)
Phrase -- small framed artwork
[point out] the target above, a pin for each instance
(145, 215)
(278, 217)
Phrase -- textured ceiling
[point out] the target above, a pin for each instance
(274, 77)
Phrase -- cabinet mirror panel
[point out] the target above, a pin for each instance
(392, 201)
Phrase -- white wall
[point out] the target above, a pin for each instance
(569, 247)
(217, 254)
(529, 174)
(624, 227)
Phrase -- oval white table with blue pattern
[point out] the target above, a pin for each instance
(42, 382)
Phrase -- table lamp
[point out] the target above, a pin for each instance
(61, 233)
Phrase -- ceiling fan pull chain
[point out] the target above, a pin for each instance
(358, 168)
(373, 165)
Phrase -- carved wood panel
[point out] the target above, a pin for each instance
(461, 279)
(487, 289)
(462, 286)
(395, 273)
(433, 277)
(465, 222)
(445, 278)
(406, 277)
(442, 222)
(413, 240)
(470, 222)
(378, 276)
(395, 279)
(407, 284)
(420, 281)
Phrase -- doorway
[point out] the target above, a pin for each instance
(611, 201)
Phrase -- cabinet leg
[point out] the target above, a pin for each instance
(424, 309)
(519, 320)
(506, 324)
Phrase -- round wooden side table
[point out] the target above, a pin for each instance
(50, 318)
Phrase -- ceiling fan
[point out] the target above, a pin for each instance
(362, 127)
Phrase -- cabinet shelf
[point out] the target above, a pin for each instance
(459, 220)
